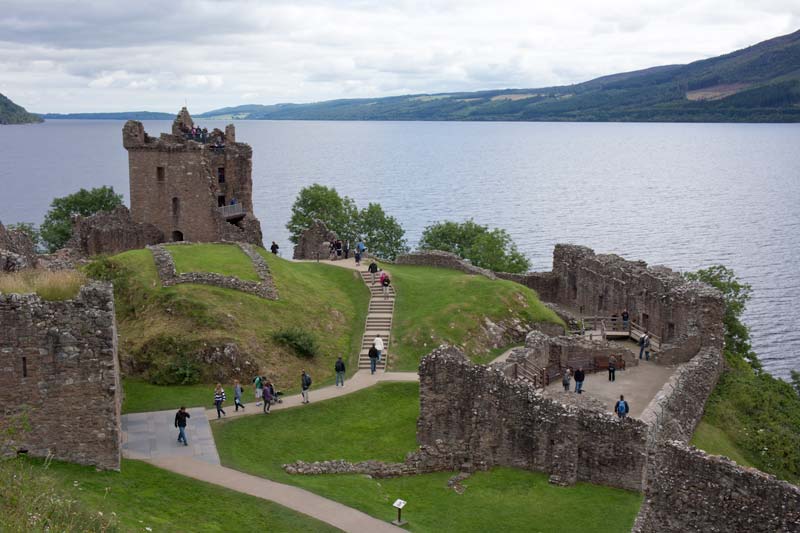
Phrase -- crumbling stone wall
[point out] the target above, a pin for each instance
(17, 251)
(180, 184)
(58, 363)
(111, 232)
(692, 491)
(505, 422)
(439, 259)
(265, 288)
(544, 283)
(685, 315)
(314, 243)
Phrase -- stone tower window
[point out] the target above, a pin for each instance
(160, 173)
(24, 367)
(176, 209)
(221, 174)
(221, 200)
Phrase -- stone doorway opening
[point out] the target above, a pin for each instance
(177, 236)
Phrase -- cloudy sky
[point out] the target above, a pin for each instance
(73, 56)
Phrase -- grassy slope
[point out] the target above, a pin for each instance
(328, 301)
(145, 496)
(755, 420)
(380, 423)
(226, 259)
(437, 305)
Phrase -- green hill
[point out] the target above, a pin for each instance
(760, 83)
(121, 115)
(11, 113)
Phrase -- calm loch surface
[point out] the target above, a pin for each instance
(683, 195)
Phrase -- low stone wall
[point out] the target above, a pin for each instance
(111, 232)
(692, 491)
(678, 407)
(499, 421)
(59, 369)
(544, 283)
(439, 259)
(169, 275)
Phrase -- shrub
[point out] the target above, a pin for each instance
(58, 285)
(300, 340)
(168, 360)
(56, 229)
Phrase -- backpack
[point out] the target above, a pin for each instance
(641, 340)
(308, 380)
(647, 342)
(622, 407)
(386, 281)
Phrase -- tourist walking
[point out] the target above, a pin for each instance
(621, 407)
(625, 320)
(566, 378)
(360, 246)
(642, 340)
(357, 257)
(347, 249)
(378, 344)
(373, 355)
(385, 282)
(219, 398)
(579, 377)
(268, 396)
(339, 368)
(274, 248)
(612, 367)
(259, 383)
(237, 395)
(180, 422)
(647, 346)
(373, 269)
(305, 384)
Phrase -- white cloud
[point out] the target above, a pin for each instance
(64, 56)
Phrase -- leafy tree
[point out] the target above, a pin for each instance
(322, 203)
(736, 295)
(57, 226)
(484, 247)
(28, 229)
(384, 236)
(795, 380)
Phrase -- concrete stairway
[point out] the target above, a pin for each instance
(379, 321)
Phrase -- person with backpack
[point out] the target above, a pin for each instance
(621, 407)
(642, 339)
(268, 395)
(579, 377)
(647, 346)
(385, 282)
(180, 422)
(372, 269)
(566, 378)
(219, 397)
(237, 395)
(305, 384)
(373, 358)
(612, 368)
(259, 383)
(340, 369)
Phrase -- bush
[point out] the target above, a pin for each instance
(168, 360)
(58, 285)
(485, 248)
(56, 229)
(301, 341)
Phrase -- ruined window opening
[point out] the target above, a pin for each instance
(24, 367)
(221, 200)
(645, 320)
(670, 330)
(601, 302)
(160, 173)
(221, 174)
(177, 236)
(176, 208)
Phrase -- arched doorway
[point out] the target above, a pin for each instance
(177, 236)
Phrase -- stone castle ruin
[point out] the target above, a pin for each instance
(59, 373)
(192, 185)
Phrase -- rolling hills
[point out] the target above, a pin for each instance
(11, 113)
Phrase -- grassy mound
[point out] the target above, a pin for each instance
(380, 423)
(166, 334)
(60, 285)
(144, 498)
(437, 305)
(754, 419)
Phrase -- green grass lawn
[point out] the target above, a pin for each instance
(143, 496)
(327, 301)
(225, 259)
(715, 441)
(438, 305)
(380, 423)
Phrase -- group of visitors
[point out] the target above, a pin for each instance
(266, 394)
(195, 133)
(579, 376)
(339, 250)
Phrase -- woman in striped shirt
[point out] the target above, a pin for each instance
(219, 397)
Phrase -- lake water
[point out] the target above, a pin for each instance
(683, 195)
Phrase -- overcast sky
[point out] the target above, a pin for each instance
(69, 56)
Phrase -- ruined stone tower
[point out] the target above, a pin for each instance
(193, 187)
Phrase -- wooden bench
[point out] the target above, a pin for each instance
(601, 362)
